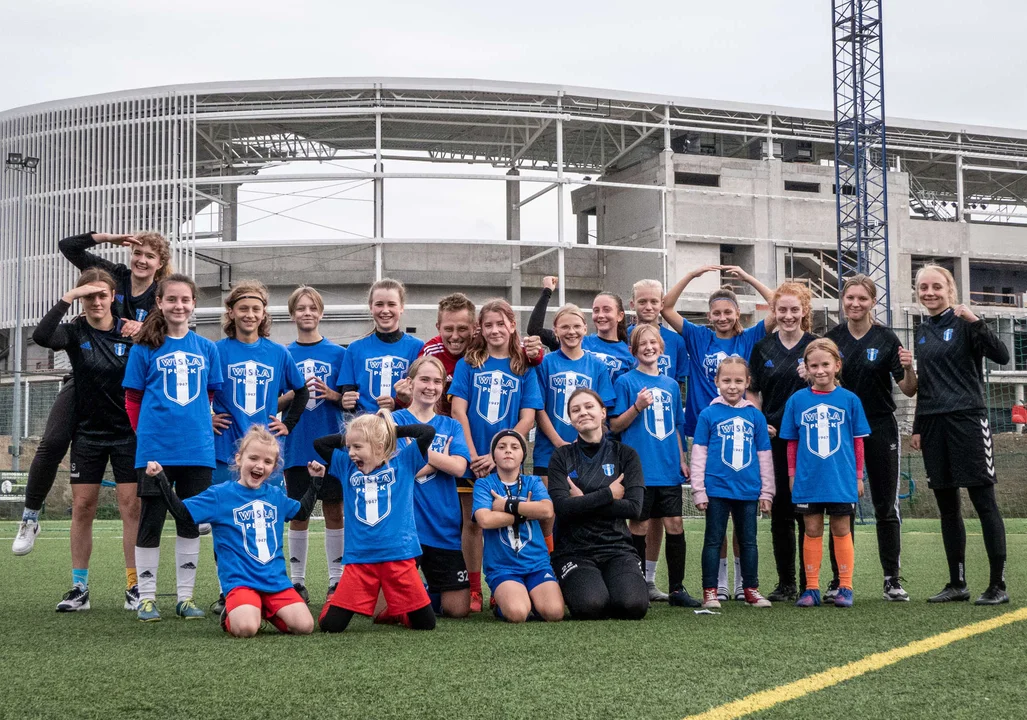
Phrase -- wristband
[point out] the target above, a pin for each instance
(635, 405)
(509, 506)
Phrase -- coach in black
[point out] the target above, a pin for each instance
(952, 428)
(872, 357)
(596, 485)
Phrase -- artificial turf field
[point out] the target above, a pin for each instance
(104, 664)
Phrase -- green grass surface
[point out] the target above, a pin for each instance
(104, 664)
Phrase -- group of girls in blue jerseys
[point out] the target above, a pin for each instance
(240, 436)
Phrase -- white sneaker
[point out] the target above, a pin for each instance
(26, 537)
(74, 600)
(132, 598)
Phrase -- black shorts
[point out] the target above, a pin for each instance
(661, 502)
(830, 509)
(89, 460)
(185, 480)
(465, 485)
(297, 480)
(958, 449)
(443, 569)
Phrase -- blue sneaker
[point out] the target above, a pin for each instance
(843, 598)
(809, 598)
(187, 610)
(148, 611)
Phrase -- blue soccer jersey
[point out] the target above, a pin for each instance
(437, 512)
(378, 508)
(322, 360)
(559, 377)
(615, 355)
(375, 366)
(509, 551)
(826, 426)
(495, 396)
(705, 352)
(255, 375)
(654, 433)
(674, 361)
(174, 419)
(247, 527)
(732, 436)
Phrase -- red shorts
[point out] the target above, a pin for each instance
(398, 580)
(268, 603)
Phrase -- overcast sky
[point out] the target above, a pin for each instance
(947, 60)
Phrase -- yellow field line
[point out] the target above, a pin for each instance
(775, 696)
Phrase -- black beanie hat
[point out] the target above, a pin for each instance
(508, 433)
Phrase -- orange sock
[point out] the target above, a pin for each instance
(813, 554)
(846, 556)
(549, 543)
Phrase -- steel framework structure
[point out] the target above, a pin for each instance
(860, 152)
(156, 158)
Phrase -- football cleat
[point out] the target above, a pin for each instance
(132, 598)
(681, 598)
(951, 593)
(148, 611)
(809, 598)
(655, 594)
(302, 590)
(218, 606)
(476, 601)
(204, 528)
(783, 593)
(832, 593)
(893, 590)
(187, 610)
(843, 598)
(994, 595)
(74, 600)
(28, 530)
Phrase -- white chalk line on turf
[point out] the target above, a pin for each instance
(766, 699)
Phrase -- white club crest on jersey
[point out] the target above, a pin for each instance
(663, 364)
(183, 374)
(736, 442)
(256, 521)
(823, 425)
(250, 382)
(311, 368)
(438, 444)
(563, 386)
(712, 361)
(659, 417)
(384, 372)
(374, 495)
(495, 392)
(612, 362)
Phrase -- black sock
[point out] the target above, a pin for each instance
(423, 618)
(994, 530)
(953, 534)
(336, 619)
(675, 545)
(639, 542)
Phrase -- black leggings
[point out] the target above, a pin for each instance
(953, 532)
(610, 588)
(53, 446)
(785, 525)
(187, 480)
(336, 619)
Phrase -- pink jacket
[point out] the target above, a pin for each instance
(698, 467)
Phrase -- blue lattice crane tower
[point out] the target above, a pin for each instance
(860, 157)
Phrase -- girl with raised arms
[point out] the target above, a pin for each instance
(648, 415)
(98, 354)
(493, 389)
(170, 379)
(436, 503)
(134, 295)
(319, 360)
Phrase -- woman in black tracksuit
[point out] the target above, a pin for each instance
(596, 485)
(952, 428)
(873, 357)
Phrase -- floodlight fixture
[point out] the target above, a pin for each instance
(14, 158)
(30, 163)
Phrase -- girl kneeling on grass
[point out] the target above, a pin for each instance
(732, 474)
(508, 505)
(247, 518)
(825, 426)
(381, 541)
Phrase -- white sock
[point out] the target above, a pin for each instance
(187, 554)
(738, 576)
(650, 570)
(722, 574)
(147, 560)
(298, 556)
(334, 547)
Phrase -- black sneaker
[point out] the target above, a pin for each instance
(302, 590)
(893, 590)
(832, 592)
(218, 606)
(783, 593)
(78, 599)
(951, 593)
(994, 595)
(331, 591)
(681, 598)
